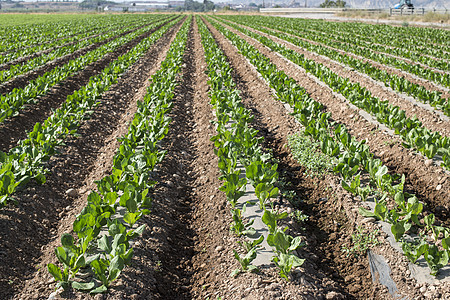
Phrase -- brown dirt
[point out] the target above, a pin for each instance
(24, 59)
(15, 129)
(36, 54)
(422, 65)
(31, 241)
(333, 212)
(324, 237)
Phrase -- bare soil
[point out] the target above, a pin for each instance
(430, 85)
(22, 80)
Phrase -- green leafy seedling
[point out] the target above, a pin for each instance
(245, 262)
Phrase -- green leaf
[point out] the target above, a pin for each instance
(99, 290)
(130, 218)
(80, 262)
(366, 213)
(296, 261)
(83, 285)
(127, 256)
(55, 271)
(235, 273)
(398, 230)
(67, 240)
(104, 244)
(99, 269)
(40, 178)
(115, 268)
(62, 256)
(295, 243)
(347, 187)
(446, 243)
(399, 199)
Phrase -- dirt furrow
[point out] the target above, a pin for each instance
(30, 232)
(429, 119)
(405, 59)
(15, 129)
(430, 182)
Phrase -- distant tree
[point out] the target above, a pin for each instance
(253, 5)
(328, 3)
(191, 5)
(209, 5)
(194, 6)
(340, 3)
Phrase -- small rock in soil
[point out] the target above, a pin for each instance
(428, 295)
(369, 220)
(428, 162)
(273, 287)
(71, 193)
(169, 183)
(274, 295)
(333, 295)
(439, 187)
(219, 248)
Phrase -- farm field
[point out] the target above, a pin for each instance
(159, 156)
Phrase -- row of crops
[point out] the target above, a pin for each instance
(352, 157)
(127, 187)
(27, 160)
(101, 244)
(415, 135)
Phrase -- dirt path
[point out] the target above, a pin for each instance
(186, 251)
(326, 270)
(24, 59)
(333, 212)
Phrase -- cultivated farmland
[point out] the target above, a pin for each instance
(158, 156)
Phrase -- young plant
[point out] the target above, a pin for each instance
(284, 245)
(265, 191)
(239, 227)
(245, 262)
(253, 243)
(233, 187)
(72, 257)
(361, 242)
